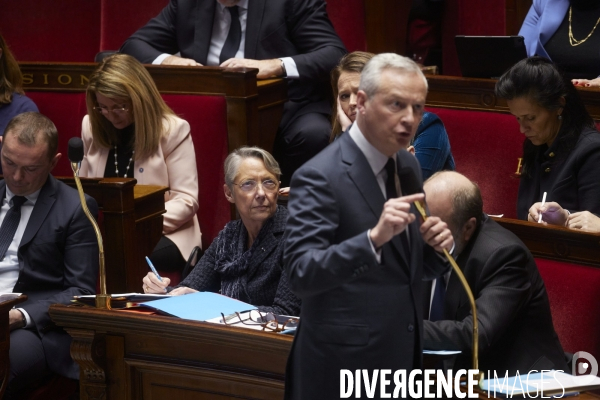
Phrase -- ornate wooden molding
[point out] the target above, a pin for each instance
(88, 349)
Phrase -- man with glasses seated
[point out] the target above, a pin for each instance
(245, 261)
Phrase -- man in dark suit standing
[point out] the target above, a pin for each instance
(282, 38)
(356, 260)
(515, 325)
(48, 250)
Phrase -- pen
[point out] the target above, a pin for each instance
(543, 202)
(153, 269)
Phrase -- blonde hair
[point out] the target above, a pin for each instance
(121, 76)
(11, 79)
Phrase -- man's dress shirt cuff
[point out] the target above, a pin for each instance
(158, 60)
(28, 323)
(290, 67)
(375, 251)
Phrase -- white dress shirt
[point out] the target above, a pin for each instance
(221, 24)
(9, 266)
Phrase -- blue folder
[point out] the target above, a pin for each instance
(199, 306)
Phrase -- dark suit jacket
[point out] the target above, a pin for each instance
(570, 178)
(58, 259)
(277, 28)
(356, 313)
(515, 324)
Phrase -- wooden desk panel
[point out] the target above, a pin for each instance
(132, 225)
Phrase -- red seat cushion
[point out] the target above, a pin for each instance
(573, 293)
(486, 147)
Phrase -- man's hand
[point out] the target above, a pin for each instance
(151, 284)
(15, 319)
(342, 118)
(395, 217)
(552, 213)
(435, 233)
(585, 220)
(174, 60)
(266, 68)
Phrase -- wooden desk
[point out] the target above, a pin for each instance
(124, 355)
(478, 94)
(5, 307)
(127, 355)
(254, 107)
(132, 225)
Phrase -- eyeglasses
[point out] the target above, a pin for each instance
(116, 111)
(261, 321)
(268, 185)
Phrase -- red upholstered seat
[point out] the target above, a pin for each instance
(348, 19)
(65, 30)
(486, 147)
(573, 293)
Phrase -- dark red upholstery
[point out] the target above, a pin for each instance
(486, 147)
(469, 17)
(66, 110)
(119, 19)
(65, 30)
(573, 293)
(348, 18)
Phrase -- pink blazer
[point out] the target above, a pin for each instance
(173, 165)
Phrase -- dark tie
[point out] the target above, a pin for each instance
(234, 37)
(437, 304)
(390, 189)
(10, 224)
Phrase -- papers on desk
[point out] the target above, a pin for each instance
(199, 306)
(550, 383)
(120, 300)
(442, 352)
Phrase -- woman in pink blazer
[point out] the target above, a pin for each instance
(130, 132)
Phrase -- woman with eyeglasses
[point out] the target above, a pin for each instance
(245, 261)
(130, 132)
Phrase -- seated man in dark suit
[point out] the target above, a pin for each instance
(283, 38)
(48, 250)
(515, 324)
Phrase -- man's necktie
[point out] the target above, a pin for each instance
(390, 189)
(234, 37)
(10, 224)
(437, 304)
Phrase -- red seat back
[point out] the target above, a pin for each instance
(573, 293)
(348, 19)
(486, 147)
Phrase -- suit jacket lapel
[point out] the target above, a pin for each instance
(40, 211)
(204, 25)
(362, 175)
(254, 19)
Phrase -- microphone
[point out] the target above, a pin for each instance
(410, 185)
(75, 154)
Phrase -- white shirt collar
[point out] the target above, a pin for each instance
(376, 159)
(31, 197)
(243, 5)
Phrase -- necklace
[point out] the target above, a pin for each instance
(572, 40)
(117, 164)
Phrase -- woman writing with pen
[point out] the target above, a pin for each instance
(245, 261)
(561, 152)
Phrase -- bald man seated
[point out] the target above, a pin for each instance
(515, 325)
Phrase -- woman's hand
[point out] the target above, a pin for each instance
(586, 82)
(182, 290)
(552, 213)
(585, 220)
(342, 117)
(151, 284)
